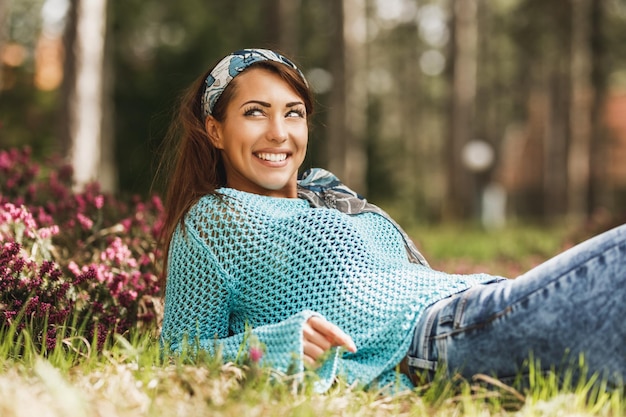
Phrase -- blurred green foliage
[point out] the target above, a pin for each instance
(156, 49)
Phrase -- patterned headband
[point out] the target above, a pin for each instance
(232, 65)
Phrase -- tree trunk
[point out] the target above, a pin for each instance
(462, 101)
(355, 159)
(580, 111)
(86, 114)
(335, 137)
(346, 146)
(107, 173)
(283, 16)
(3, 32)
(555, 135)
(600, 188)
(69, 79)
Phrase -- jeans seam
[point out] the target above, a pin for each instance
(425, 335)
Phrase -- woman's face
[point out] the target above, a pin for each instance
(264, 135)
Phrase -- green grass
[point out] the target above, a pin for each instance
(130, 377)
(470, 248)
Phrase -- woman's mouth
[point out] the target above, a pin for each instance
(271, 157)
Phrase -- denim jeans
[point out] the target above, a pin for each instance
(573, 304)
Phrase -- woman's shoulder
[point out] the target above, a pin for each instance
(222, 201)
(229, 202)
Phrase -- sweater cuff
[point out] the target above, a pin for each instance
(285, 349)
(284, 342)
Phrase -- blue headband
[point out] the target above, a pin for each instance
(232, 65)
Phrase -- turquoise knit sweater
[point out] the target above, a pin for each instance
(245, 260)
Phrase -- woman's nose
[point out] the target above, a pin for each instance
(278, 130)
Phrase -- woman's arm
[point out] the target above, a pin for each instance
(200, 300)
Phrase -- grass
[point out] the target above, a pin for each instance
(130, 377)
(470, 248)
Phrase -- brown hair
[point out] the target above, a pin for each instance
(191, 166)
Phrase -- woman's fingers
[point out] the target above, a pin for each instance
(319, 335)
(325, 334)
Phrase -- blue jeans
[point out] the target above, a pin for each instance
(570, 305)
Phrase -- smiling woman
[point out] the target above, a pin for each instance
(263, 138)
(321, 277)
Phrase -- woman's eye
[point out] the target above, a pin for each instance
(295, 113)
(253, 112)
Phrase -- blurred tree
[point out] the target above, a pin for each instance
(402, 86)
(463, 69)
(86, 100)
(541, 188)
(4, 20)
(282, 17)
(27, 115)
(582, 98)
(600, 182)
(563, 132)
(346, 152)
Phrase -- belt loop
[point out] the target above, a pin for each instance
(421, 363)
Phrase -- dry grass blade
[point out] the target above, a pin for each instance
(68, 342)
(497, 383)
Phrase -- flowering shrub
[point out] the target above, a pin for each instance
(73, 258)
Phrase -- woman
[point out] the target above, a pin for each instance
(322, 277)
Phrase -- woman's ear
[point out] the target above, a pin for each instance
(214, 131)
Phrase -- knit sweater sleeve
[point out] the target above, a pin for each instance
(200, 300)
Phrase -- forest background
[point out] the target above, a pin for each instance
(490, 110)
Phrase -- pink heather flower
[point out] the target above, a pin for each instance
(84, 221)
(10, 213)
(255, 354)
(158, 203)
(99, 201)
(5, 160)
(119, 253)
(47, 232)
(145, 260)
(43, 217)
(132, 294)
(127, 223)
(73, 267)
(103, 273)
(80, 202)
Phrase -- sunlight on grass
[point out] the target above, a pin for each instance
(131, 378)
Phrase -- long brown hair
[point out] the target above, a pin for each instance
(191, 166)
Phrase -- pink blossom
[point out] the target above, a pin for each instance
(84, 221)
(43, 217)
(5, 160)
(101, 279)
(48, 232)
(9, 213)
(158, 204)
(119, 254)
(99, 201)
(255, 354)
(127, 223)
(73, 267)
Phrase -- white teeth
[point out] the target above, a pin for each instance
(272, 157)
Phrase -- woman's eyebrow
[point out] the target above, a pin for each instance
(266, 104)
(259, 102)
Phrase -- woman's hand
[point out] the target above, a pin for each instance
(319, 336)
